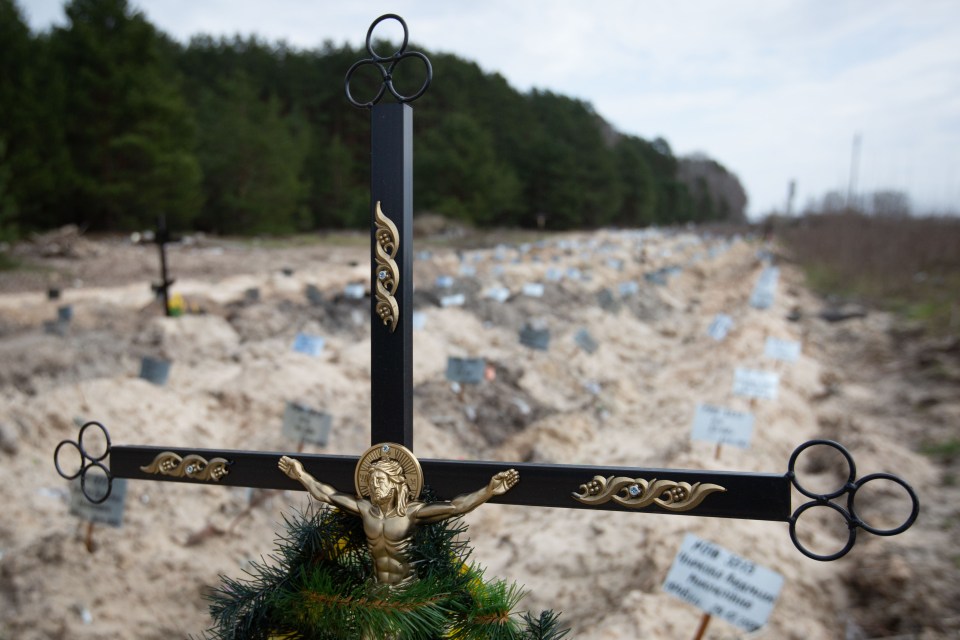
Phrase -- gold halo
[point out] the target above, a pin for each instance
(392, 451)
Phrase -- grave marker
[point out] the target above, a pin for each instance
(586, 341)
(720, 326)
(354, 291)
(110, 511)
(535, 337)
(500, 294)
(155, 370)
(308, 344)
(722, 584)
(444, 282)
(533, 290)
(303, 424)
(753, 383)
(314, 295)
(454, 300)
(465, 370)
(722, 426)
(765, 289)
(785, 350)
(608, 302)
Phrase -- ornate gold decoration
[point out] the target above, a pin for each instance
(192, 466)
(388, 480)
(636, 493)
(386, 271)
(412, 473)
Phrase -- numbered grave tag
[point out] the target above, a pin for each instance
(251, 295)
(110, 511)
(723, 584)
(535, 338)
(468, 271)
(303, 424)
(722, 425)
(444, 282)
(65, 313)
(720, 326)
(466, 370)
(785, 350)
(753, 383)
(308, 345)
(586, 341)
(533, 290)
(554, 274)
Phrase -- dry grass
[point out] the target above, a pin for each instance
(905, 264)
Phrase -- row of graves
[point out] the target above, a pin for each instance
(558, 378)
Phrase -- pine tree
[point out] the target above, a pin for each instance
(128, 129)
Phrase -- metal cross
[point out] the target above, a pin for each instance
(755, 496)
(162, 290)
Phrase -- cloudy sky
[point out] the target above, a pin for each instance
(776, 90)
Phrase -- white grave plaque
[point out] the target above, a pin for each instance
(444, 282)
(308, 345)
(533, 289)
(722, 425)
(786, 350)
(110, 511)
(753, 383)
(721, 325)
(303, 424)
(723, 584)
(766, 288)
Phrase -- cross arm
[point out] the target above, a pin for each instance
(753, 496)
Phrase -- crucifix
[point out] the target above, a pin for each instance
(387, 478)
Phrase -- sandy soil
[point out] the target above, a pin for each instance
(878, 389)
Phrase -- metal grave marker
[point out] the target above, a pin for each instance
(607, 301)
(453, 300)
(465, 370)
(784, 350)
(110, 511)
(308, 344)
(444, 282)
(723, 584)
(535, 336)
(303, 424)
(754, 383)
(499, 294)
(354, 291)
(759, 496)
(155, 370)
(722, 426)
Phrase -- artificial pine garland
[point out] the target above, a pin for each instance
(320, 586)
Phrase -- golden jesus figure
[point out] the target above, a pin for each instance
(386, 500)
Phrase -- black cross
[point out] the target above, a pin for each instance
(754, 496)
(162, 290)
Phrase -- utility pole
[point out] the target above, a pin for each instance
(854, 167)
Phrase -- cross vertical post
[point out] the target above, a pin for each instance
(163, 289)
(391, 347)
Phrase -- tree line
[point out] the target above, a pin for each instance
(107, 123)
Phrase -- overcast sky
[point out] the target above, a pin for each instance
(775, 90)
